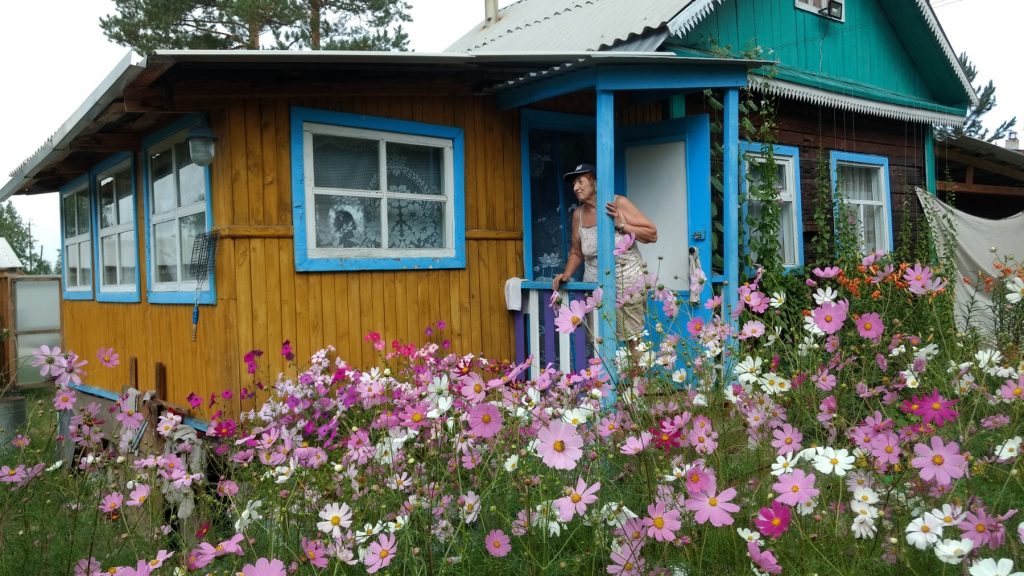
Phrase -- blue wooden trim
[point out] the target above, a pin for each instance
(680, 78)
(777, 150)
(305, 263)
(78, 182)
(209, 295)
(570, 286)
(836, 156)
(106, 164)
(605, 234)
(549, 88)
(541, 120)
(730, 204)
(929, 160)
(98, 392)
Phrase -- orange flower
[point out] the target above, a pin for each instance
(877, 294)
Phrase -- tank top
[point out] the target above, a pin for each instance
(629, 267)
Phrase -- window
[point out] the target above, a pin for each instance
(375, 193)
(787, 184)
(76, 210)
(177, 210)
(817, 6)
(116, 236)
(862, 181)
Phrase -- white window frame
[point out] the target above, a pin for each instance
(153, 219)
(115, 231)
(789, 158)
(77, 241)
(880, 165)
(383, 138)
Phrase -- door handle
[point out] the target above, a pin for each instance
(698, 235)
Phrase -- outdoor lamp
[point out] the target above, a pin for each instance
(834, 10)
(201, 144)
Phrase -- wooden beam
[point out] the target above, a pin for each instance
(241, 231)
(109, 142)
(986, 165)
(970, 174)
(965, 188)
(486, 234)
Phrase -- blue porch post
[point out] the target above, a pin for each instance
(731, 201)
(605, 239)
(929, 160)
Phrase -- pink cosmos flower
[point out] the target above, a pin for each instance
(636, 444)
(1013, 390)
(415, 416)
(764, 559)
(111, 503)
(829, 317)
(577, 500)
(559, 445)
(570, 318)
(661, 522)
(917, 274)
(695, 326)
(796, 487)
(623, 244)
(68, 369)
(870, 326)
(473, 388)
(885, 447)
(87, 567)
(250, 360)
(699, 479)
(751, 329)
(138, 496)
(108, 358)
(626, 561)
(484, 420)
(941, 462)
(380, 553)
(935, 409)
(265, 567)
(227, 488)
(142, 568)
(64, 399)
(773, 521)
(46, 359)
(315, 552)
(708, 506)
(755, 300)
(497, 543)
(786, 439)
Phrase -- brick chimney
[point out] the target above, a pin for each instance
(490, 13)
(1012, 143)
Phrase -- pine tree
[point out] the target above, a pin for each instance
(986, 102)
(150, 25)
(19, 235)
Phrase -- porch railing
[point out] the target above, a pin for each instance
(536, 336)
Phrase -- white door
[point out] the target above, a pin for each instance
(656, 184)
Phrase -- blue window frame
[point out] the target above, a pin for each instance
(116, 246)
(862, 183)
(371, 193)
(77, 223)
(177, 207)
(787, 183)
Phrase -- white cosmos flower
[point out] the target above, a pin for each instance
(863, 527)
(249, 515)
(1009, 450)
(441, 405)
(991, 567)
(784, 464)
(812, 327)
(1014, 290)
(924, 531)
(577, 416)
(677, 474)
(679, 376)
(953, 551)
(334, 518)
(865, 495)
(832, 461)
(823, 295)
(750, 535)
(748, 370)
(777, 299)
(512, 463)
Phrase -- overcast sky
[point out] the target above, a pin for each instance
(54, 56)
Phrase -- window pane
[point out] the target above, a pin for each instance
(37, 305)
(415, 224)
(347, 222)
(108, 255)
(191, 177)
(190, 226)
(166, 251)
(26, 372)
(108, 217)
(874, 229)
(84, 224)
(72, 278)
(348, 163)
(787, 231)
(123, 185)
(859, 182)
(85, 261)
(70, 228)
(415, 169)
(161, 167)
(127, 253)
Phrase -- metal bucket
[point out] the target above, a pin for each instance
(12, 418)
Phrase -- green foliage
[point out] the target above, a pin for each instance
(823, 243)
(986, 102)
(150, 25)
(18, 234)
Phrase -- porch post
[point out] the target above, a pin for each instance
(929, 160)
(730, 205)
(605, 238)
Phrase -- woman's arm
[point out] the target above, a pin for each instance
(575, 257)
(628, 219)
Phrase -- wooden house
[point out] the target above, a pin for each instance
(359, 192)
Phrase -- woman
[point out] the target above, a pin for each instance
(630, 268)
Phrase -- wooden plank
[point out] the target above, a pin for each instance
(244, 298)
(254, 231)
(965, 188)
(273, 302)
(268, 155)
(287, 276)
(371, 304)
(238, 163)
(254, 160)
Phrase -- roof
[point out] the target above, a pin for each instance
(8, 259)
(130, 101)
(984, 150)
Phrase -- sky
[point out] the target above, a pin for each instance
(54, 55)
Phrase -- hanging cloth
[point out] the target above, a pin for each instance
(697, 277)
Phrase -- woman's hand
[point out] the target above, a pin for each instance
(557, 280)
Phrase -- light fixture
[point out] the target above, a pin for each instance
(834, 10)
(202, 144)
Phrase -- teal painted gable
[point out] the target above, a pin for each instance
(883, 50)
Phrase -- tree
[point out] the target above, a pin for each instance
(150, 25)
(19, 235)
(986, 102)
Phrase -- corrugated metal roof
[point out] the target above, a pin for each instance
(568, 25)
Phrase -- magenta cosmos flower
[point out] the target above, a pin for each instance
(939, 462)
(64, 399)
(714, 508)
(265, 567)
(830, 316)
(773, 521)
(497, 544)
(870, 326)
(934, 408)
(484, 420)
(559, 445)
(786, 439)
(764, 559)
(796, 487)
(380, 553)
(570, 318)
(577, 500)
(661, 523)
